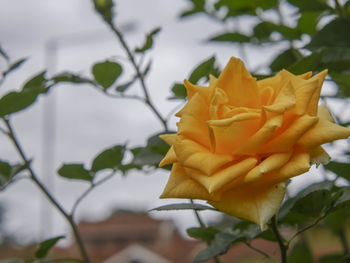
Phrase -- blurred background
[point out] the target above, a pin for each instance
(74, 123)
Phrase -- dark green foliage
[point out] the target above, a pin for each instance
(75, 171)
(46, 245)
(300, 253)
(203, 233)
(287, 57)
(149, 41)
(108, 159)
(183, 206)
(14, 66)
(231, 37)
(106, 73)
(70, 77)
(105, 8)
(340, 169)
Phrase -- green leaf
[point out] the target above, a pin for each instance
(231, 37)
(336, 221)
(123, 87)
(341, 169)
(5, 174)
(263, 31)
(343, 82)
(204, 69)
(179, 91)
(4, 54)
(16, 101)
(36, 82)
(197, 7)
(106, 73)
(149, 41)
(312, 62)
(203, 233)
(332, 258)
(342, 198)
(309, 202)
(108, 159)
(105, 8)
(75, 171)
(300, 253)
(308, 21)
(46, 245)
(153, 153)
(70, 77)
(183, 206)
(285, 59)
(310, 5)
(336, 58)
(14, 66)
(334, 34)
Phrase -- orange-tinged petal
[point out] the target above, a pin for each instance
(194, 129)
(193, 155)
(230, 133)
(169, 158)
(219, 97)
(239, 85)
(319, 156)
(181, 186)
(267, 94)
(264, 134)
(219, 179)
(205, 92)
(169, 138)
(196, 107)
(304, 92)
(253, 202)
(284, 100)
(324, 114)
(286, 140)
(324, 131)
(313, 105)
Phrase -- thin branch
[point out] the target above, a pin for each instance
(265, 255)
(283, 247)
(305, 228)
(2, 130)
(45, 191)
(138, 74)
(87, 191)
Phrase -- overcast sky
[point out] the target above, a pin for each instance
(86, 121)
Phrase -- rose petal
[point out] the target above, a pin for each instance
(169, 158)
(205, 92)
(239, 85)
(313, 105)
(284, 100)
(287, 139)
(193, 155)
(169, 138)
(324, 131)
(181, 186)
(230, 133)
(219, 97)
(254, 203)
(219, 179)
(304, 92)
(324, 113)
(319, 156)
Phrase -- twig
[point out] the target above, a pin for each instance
(139, 75)
(87, 191)
(45, 191)
(283, 247)
(265, 255)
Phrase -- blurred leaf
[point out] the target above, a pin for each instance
(179, 91)
(75, 171)
(343, 82)
(37, 82)
(183, 206)
(149, 41)
(341, 169)
(336, 221)
(108, 159)
(268, 235)
(231, 37)
(5, 174)
(16, 101)
(203, 233)
(69, 77)
(334, 34)
(197, 7)
(285, 59)
(310, 5)
(46, 245)
(263, 31)
(342, 199)
(123, 87)
(300, 253)
(105, 8)
(204, 69)
(336, 58)
(308, 202)
(332, 258)
(14, 66)
(308, 21)
(153, 153)
(106, 73)
(309, 63)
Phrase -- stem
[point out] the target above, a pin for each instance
(265, 255)
(201, 223)
(283, 247)
(87, 191)
(45, 191)
(139, 75)
(339, 8)
(344, 242)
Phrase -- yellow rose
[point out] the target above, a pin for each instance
(240, 139)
